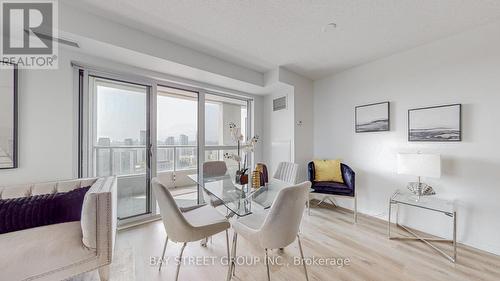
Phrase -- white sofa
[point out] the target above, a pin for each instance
(60, 251)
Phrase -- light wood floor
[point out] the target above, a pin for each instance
(326, 233)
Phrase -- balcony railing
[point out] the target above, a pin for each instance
(131, 160)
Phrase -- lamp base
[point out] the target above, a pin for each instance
(420, 189)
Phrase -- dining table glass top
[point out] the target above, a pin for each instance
(240, 199)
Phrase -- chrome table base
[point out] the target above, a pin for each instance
(426, 240)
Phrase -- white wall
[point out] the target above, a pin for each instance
(302, 119)
(461, 69)
(45, 103)
(278, 130)
(95, 32)
(257, 112)
(283, 127)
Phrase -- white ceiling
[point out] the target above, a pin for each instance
(263, 34)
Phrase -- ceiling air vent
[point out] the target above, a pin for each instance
(279, 103)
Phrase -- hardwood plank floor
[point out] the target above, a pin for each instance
(327, 233)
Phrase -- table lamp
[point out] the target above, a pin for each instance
(420, 165)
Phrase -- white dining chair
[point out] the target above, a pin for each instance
(287, 172)
(278, 228)
(187, 224)
(214, 168)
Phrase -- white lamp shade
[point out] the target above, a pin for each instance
(421, 165)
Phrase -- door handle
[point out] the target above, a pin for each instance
(150, 150)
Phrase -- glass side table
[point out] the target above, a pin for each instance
(431, 203)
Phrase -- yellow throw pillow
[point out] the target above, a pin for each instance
(328, 170)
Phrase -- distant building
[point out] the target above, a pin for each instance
(104, 142)
(103, 155)
(170, 141)
(128, 141)
(143, 137)
(165, 156)
(183, 139)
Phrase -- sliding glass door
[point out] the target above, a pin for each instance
(137, 128)
(119, 142)
(177, 142)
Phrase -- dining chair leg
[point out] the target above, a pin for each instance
(355, 209)
(235, 244)
(302, 256)
(232, 265)
(163, 255)
(309, 204)
(204, 242)
(180, 261)
(267, 265)
(227, 246)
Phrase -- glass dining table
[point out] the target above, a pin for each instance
(240, 200)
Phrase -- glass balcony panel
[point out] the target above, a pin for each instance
(186, 158)
(165, 159)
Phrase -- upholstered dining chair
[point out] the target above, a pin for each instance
(214, 168)
(287, 172)
(278, 228)
(187, 224)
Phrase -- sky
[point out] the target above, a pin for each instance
(121, 114)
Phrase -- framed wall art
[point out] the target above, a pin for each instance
(436, 123)
(8, 116)
(373, 117)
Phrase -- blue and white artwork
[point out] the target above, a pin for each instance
(372, 117)
(437, 123)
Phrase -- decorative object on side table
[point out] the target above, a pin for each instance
(241, 176)
(373, 117)
(420, 165)
(437, 123)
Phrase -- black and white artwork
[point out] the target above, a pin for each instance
(373, 117)
(8, 116)
(437, 123)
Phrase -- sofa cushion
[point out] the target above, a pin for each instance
(33, 211)
(44, 188)
(16, 191)
(40, 250)
(330, 187)
(24, 190)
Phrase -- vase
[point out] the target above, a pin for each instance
(241, 177)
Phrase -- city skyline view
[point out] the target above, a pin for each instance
(176, 117)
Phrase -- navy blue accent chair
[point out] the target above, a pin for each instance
(346, 189)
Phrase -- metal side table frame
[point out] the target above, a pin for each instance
(449, 211)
